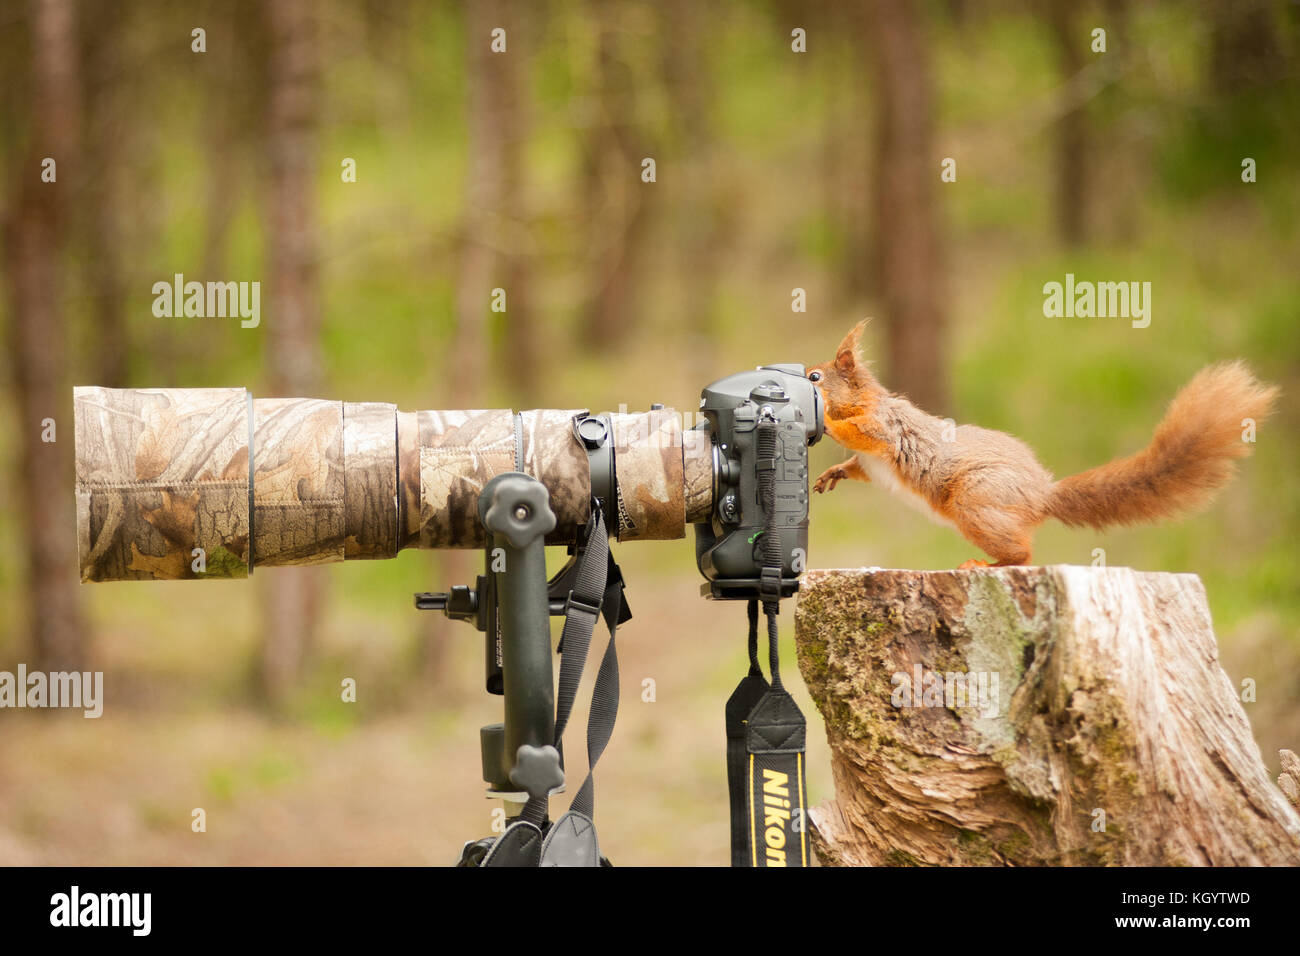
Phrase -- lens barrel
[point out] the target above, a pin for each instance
(202, 483)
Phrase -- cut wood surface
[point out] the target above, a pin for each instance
(1032, 715)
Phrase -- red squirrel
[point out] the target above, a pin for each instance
(990, 487)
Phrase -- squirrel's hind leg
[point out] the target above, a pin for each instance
(1009, 546)
(977, 563)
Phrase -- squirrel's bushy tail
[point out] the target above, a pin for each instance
(1190, 457)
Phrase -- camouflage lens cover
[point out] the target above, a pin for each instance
(162, 483)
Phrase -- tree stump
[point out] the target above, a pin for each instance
(1031, 715)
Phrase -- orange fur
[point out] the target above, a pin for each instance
(1191, 456)
(991, 487)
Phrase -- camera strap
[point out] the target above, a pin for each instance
(766, 778)
(743, 699)
(766, 736)
(776, 792)
(598, 591)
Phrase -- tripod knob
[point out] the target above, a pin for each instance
(431, 601)
(459, 604)
(537, 770)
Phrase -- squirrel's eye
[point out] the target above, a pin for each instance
(814, 376)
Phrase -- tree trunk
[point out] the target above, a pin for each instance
(517, 351)
(907, 246)
(616, 197)
(1071, 166)
(1097, 725)
(848, 149)
(33, 240)
(294, 368)
(105, 128)
(1246, 51)
(493, 252)
(234, 77)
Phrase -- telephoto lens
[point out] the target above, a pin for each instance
(211, 483)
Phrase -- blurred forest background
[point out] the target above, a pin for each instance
(775, 170)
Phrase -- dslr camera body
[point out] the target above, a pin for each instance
(727, 547)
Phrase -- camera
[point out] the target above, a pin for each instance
(737, 409)
(202, 483)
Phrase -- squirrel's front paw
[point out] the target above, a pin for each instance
(829, 478)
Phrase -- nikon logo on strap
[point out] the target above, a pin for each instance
(775, 734)
(782, 827)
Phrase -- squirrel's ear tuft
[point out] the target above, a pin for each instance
(847, 357)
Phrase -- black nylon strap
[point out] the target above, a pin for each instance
(770, 543)
(571, 841)
(747, 693)
(580, 616)
(776, 791)
(751, 611)
(520, 845)
(597, 592)
(604, 695)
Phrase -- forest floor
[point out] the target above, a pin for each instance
(332, 783)
(401, 786)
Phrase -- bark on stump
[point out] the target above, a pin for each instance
(1095, 691)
